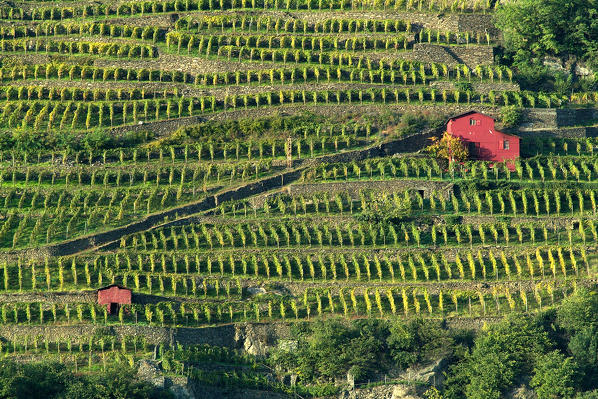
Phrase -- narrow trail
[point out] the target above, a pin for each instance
(186, 211)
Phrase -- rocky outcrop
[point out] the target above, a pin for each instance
(430, 374)
(382, 392)
(259, 339)
(149, 371)
(521, 392)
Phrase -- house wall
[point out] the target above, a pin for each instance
(490, 139)
(114, 295)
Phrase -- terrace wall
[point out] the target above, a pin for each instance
(477, 87)
(471, 55)
(55, 297)
(575, 132)
(477, 23)
(354, 188)
(554, 118)
(254, 338)
(159, 128)
(566, 123)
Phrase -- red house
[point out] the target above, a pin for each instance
(483, 141)
(113, 296)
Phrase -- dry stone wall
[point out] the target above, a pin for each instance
(159, 128)
(574, 132)
(56, 297)
(477, 23)
(553, 122)
(472, 55)
(477, 87)
(354, 188)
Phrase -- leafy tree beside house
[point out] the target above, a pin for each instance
(448, 147)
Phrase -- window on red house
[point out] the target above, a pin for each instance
(506, 145)
(472, 122)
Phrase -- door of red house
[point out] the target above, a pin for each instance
(113, 308)
(473, 149)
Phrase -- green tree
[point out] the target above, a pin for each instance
(555, 376)
(533, 29)
(502, 354)
(448, 147)
(579, 311)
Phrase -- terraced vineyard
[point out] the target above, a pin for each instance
(247, 166)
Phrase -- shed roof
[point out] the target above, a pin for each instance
(112, 286)
(469, 113)
(480, 113)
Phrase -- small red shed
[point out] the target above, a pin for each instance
(113, 296)
(482, 139)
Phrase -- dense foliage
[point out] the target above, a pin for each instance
(55, 381)
(533, 29)
(364, 348)
(554, 353)
(448, 147)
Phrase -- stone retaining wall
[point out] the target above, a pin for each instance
(553, 118)
(355, 187)
(472, 55)
(153, 335)
(477, 23)
(55, 297)
(159, 128)
(574, 132)
(254, 338)
(477, 87)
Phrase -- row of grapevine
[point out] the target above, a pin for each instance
(119, 50)
(380, 70)
(305, 141)
(287, 234)
(174, 271)
(377, 302)
(559, 168)
(156, 6)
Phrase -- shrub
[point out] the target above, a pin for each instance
(510, 116)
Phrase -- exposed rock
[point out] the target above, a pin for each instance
(256, 339)
(179, 387)
(553, 63)
(570, 66)
(521, 392)
(404, 392)
(150, 372)
(581, 70)
(430, 374)
(289, 345)
(381, 392)
(255, 290)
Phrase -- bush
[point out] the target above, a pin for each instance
(500, 355)
(510, 116)
(579, 311)
(327, 350)
(53, 380)
(381, 210)
(555, 376)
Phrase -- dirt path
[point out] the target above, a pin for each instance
(274, 182)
